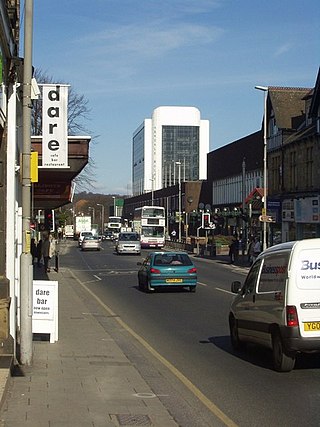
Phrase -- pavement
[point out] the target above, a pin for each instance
(82, 379)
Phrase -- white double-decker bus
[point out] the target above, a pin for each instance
(149, 222)
(114, 225)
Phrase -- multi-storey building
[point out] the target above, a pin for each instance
(293, 139)
(172, 144)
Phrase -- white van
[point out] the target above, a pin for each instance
(278, 306)
(128, 243)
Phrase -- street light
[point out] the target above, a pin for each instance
(152, 191)
(114, 205)
(179, 178)
(102, 217)
(264, 212)
(93, 214)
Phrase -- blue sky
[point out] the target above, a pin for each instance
(130, 56)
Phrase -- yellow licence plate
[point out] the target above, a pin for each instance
(173, 280)
(311, 326)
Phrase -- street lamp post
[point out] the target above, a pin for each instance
(114, 205)
(265, 90)
(179, 180)
(102, 217)
(93, 214)
(152, 191)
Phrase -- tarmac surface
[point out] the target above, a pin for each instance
(83, 379)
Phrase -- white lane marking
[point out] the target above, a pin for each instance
(97, 277)
(202, 284)
(225, 291)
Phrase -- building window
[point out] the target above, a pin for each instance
(275, 173)
(180, 144)
(309, 167)
(293, 182)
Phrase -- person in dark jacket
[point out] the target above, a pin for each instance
(33, 250)
(45, 250)
(234, 250)
(39, 253)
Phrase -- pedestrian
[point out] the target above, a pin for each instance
(39, 253)
(173, 235)
(45, 250)
(256, 248)
(33, 250)
(234, 250)
(250, 251)
(53, 251)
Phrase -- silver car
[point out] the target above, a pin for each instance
(91, 243)
(128, 243)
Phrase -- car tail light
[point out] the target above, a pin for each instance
(192, 270)
(154, 271)
(292, 316)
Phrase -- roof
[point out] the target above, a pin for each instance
(227, 161)
(288, 105)
(316, 98)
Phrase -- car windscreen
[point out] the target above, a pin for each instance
(89, 238)
(172, 259)
(129, 237)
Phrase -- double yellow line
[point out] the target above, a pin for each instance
(190, 386)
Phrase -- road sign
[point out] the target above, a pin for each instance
(266, 218)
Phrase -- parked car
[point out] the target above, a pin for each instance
(278, 306)
(167, 269)
(82, 235)
(90, 243)
(128, 243)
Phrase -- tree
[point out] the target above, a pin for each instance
(78, 114)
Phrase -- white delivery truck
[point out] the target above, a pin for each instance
(278, 305)
(69, 231)
(83, 223)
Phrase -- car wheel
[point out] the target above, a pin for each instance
(234, 334)
(141, 287)
(282, 361)
(192, 288)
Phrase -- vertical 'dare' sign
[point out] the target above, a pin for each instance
(55, 126)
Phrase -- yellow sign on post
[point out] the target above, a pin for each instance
(264, 211)
(34, 166)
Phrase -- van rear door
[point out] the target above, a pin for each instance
(305, 294)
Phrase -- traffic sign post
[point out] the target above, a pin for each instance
(266, 218)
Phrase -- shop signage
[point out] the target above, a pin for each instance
(55, 126)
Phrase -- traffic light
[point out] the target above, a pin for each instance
(205, 220)
(49, 219)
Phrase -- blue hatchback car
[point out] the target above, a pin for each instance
(167, 269)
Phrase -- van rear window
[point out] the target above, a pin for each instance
(274, 273)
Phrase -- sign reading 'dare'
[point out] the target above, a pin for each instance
(55, 126)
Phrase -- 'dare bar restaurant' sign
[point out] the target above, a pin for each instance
(54, 126)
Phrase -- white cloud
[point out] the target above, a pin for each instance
(152, 40)
(283, 49)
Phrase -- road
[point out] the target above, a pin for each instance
(184, 338)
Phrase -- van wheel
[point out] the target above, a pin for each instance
(234, 335)
(282, 362)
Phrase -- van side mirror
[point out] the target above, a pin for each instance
(236, 287)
